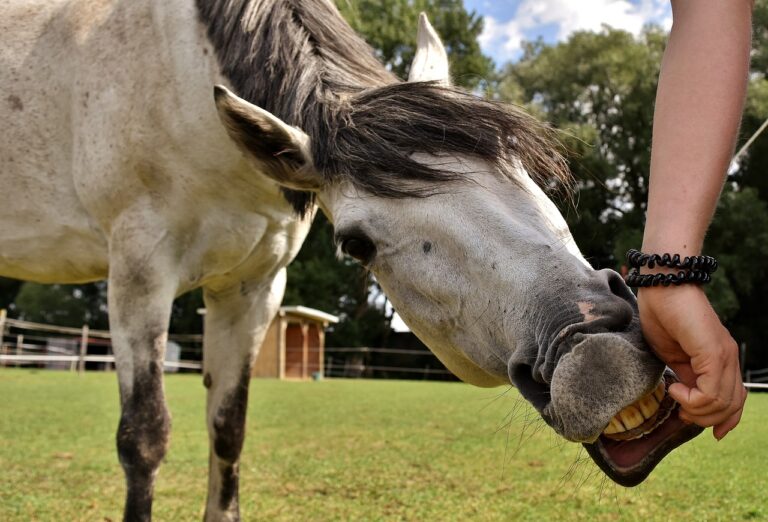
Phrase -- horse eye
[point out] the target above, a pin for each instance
(360, 248)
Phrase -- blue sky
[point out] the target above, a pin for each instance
(509, 22)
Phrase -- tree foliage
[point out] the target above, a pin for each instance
(64, 305)
(76, 305)
(9, 288)
(599, 89)
(747, 250)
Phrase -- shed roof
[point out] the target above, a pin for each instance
(301, 311)
(309, 313)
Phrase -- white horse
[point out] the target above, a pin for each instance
(115, 164)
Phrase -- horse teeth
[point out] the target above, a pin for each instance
(614, 426)
(631, 417)
(636, 413)
(648, 405)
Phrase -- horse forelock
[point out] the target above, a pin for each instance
(374, 135)
(302, 62)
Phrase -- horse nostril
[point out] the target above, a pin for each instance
(614, 301)
(617, 285)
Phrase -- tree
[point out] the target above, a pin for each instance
(9, 288)
(599, 90)
(760, 38)
(748, 322)
(64, 305)
(76, 305)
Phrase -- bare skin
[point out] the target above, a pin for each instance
(699, 103)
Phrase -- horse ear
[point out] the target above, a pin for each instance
(431, 60)
(282, 151)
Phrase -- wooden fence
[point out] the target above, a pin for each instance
(24, 343)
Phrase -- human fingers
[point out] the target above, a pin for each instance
(686, 333)
(727, 419)
(696, 403)
(714, 411)
(671, 353)
(715, 390)
(714, 359)
(684, 372)
(662, 317)
(722, 429)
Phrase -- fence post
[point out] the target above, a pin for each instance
(83, 349)
(304, 350)
(743, 358)
(19, 347)
(2, 331)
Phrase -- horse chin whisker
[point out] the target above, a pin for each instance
(495, 398)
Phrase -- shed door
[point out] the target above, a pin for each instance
(294, 356)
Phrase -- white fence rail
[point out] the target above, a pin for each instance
(24, 343)
(757, 379)
(384, 363)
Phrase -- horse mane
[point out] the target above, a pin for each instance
(379, 129)
(302, 62)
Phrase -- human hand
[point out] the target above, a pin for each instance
(685, 332)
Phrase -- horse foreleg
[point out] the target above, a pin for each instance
(141, 292)
(236, 322)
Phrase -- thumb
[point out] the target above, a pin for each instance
(680, 392)
(684, 373)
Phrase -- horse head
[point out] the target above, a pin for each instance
(440, 194)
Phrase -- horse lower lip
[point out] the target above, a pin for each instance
(630, 462)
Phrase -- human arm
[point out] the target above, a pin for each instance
(698, 108)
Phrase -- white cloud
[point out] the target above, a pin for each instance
(587, 15)
(506, 37)
(503, 39)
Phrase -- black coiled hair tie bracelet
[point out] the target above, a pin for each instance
(637, 259)
(691, 269)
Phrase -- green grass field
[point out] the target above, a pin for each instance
(357, 450)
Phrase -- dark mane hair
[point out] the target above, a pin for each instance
(376, 132)
(300, 60)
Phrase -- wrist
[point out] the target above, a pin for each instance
(680, 232)
(668, 241)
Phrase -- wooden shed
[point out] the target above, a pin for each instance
(294, 345)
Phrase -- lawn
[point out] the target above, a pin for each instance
(357, 450)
